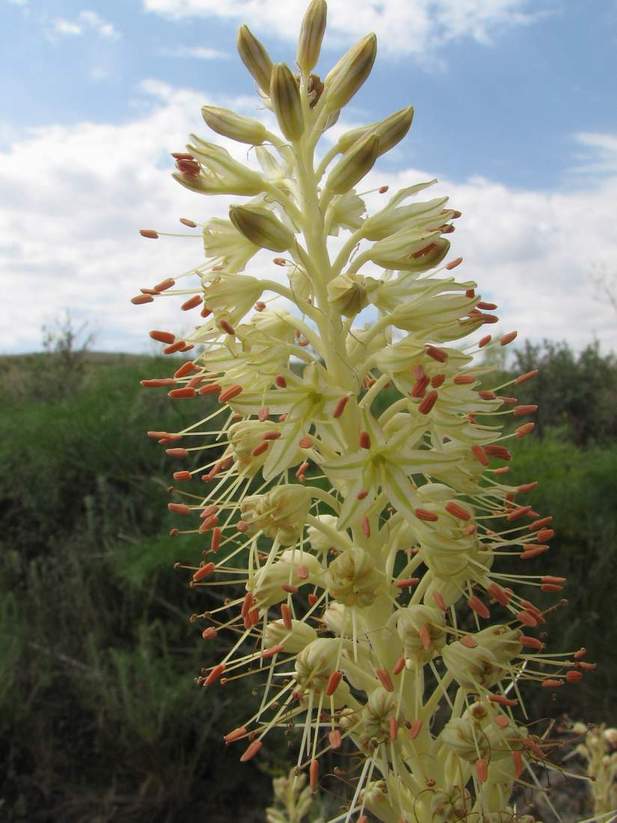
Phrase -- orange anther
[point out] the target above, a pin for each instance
(235, 734)
(211, 388)
(272, 651)
(165, 284)
(151, 234)
(230, 392)
(468, 641)
(334, 738)
(477, 606)
(192, 302)
(415, 729)
(521, 411)
(573, 676)
(551, 683)
(407, 582)
(502, 700)
(340, 406)
(507, 338)
(437, 354)
(333, 682)
(480, 454)
(209, 633)
(429, 401)
(527, 619)
(499, 594)
(458, 511)
(439, 601)
(485, 341)
(424, 633)
(227, 327)
(385, 679)
(393, 723)
(314, 775)
(286, 616)
(162, 336)
(203, 571)
(531, 642)
(140, 299)
(482, 770)
(523, 378)
(214, 675)
(251, 750)
(524, 430)
(518, 512)
(179, 508)
(181, 394)
(365, 440)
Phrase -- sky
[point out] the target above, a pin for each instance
(516, 114)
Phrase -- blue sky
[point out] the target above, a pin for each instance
(516, 110)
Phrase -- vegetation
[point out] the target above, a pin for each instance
(100, 719)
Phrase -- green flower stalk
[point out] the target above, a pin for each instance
(351, 483)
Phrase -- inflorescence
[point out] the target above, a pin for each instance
(355, 466)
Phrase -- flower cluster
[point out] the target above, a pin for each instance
(351, 482)
(598, 748)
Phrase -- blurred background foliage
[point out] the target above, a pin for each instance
(100, 719)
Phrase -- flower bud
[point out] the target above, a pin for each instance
(294, 640)
(285, 96)
(375, 726)
(278, 514)
(344, 80)
(421, 629)
(392, 130)
(229, 124)
(244, 437)
(261, 227)
(295, 568)
(338, 618)
(352, 578)
(311, 35)
(352, 167)
(348, 294)
(315, 664)
(319, 541)
(255, 58)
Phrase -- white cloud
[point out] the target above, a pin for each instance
(69, 217)
(403, 26)
(195, 53)
(86, 21)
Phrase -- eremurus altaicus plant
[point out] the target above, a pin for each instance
(356, 505)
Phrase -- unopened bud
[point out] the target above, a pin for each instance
(348, 294)
(392, 130)
(261, 227)
(255, 58)
(311, 35)
(286, 102)
(344, 80)
(352, 167)
(232, 125)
